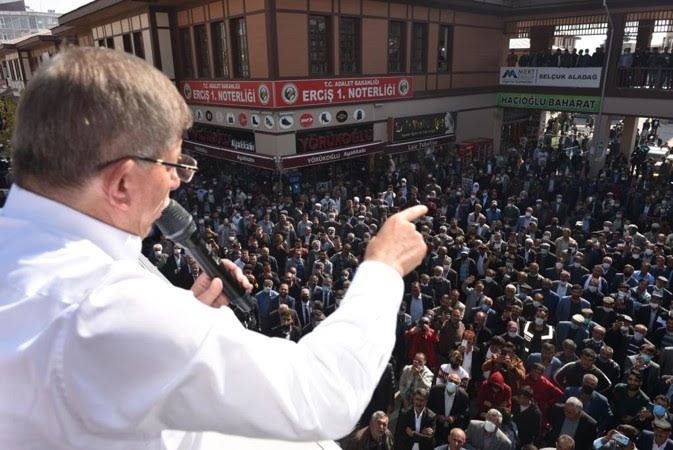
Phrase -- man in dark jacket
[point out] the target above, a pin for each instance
(453, 397)
(409, 431)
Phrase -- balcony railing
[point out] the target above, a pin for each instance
(650, 78)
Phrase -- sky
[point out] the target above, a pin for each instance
(60, 6)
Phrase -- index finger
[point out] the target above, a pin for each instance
(413, 213)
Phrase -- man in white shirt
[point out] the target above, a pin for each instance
(100, 353)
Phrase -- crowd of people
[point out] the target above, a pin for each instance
(651, 68)
(558, 58)
(540, 316)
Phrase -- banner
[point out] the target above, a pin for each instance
(264, 162)
(312, 159)
(320, 140)
(577, 77)
(229, 93)
(341, 90)
(425, 126)
(573, 103)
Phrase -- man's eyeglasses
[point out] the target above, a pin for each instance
(185, 167)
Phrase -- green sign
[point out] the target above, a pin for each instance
(576, 103)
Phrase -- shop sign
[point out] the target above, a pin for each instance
(578, 77)
(222, 137)
(414, 146)
(422, 127)
(293, 162)
(342, 90)
(230, 93)
(574, 103)
(263, 162)
(315, 141)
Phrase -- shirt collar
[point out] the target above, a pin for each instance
(52, 215)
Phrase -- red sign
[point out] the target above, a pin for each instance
(231, 93)
(343, 90)
(306, 120)
(287, 94)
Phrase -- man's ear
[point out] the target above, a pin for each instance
(118, 184)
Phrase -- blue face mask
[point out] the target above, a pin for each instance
(485, 307)
(646, 358)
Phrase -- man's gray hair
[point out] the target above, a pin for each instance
(378, 415)
(89, 106)
(495, 414)
(576, 402)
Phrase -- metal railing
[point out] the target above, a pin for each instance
(654, 78)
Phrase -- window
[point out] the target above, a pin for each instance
(101, 42)
(419, 45)
(318, 45)
(138, 45)
(220, 60)
(396, 44)
(240, 48)
(186, 52)
(110, 43)
(128, 45)
(444, 50)
(202, 54)
(349, 45)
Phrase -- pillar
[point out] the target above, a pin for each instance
(541, 38)
(628, 139)
(644, 37)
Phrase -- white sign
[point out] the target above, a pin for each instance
(577, 77)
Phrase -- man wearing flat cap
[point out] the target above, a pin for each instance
(657, 439)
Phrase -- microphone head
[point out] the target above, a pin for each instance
(176, 223)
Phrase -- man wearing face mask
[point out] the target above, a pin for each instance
(176, 269)
(650, 370)
(605, 314)
(486, 434)
(512, 335)
(594, 403)
(595, 342)
(652, 315)
(536, 332)
(575, 329)
(158, 257)
(659, 287)
(451, 403)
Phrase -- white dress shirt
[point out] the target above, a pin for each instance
(98, 353)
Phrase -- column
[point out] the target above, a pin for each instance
(541, 38)
(644, 37)
(628, 139)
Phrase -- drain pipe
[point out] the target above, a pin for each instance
(599, 148)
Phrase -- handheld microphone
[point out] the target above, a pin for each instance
(179, 226)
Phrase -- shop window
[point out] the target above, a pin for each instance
(128, 44)
(444, 48)
(110, 43)
(396, 45)
(419, 46)
(349, 45)
(218, 35)
(138, 45)
(202, 54)
(239, 48)
(186, 53)
(318, 45)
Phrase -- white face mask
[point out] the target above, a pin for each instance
(489, 426)
(512, 334)
(638, 336)
(558, 265)
(451, 387)
(539, 321)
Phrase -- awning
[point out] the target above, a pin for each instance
(329, 156)
(421, 144)
(228, 154)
